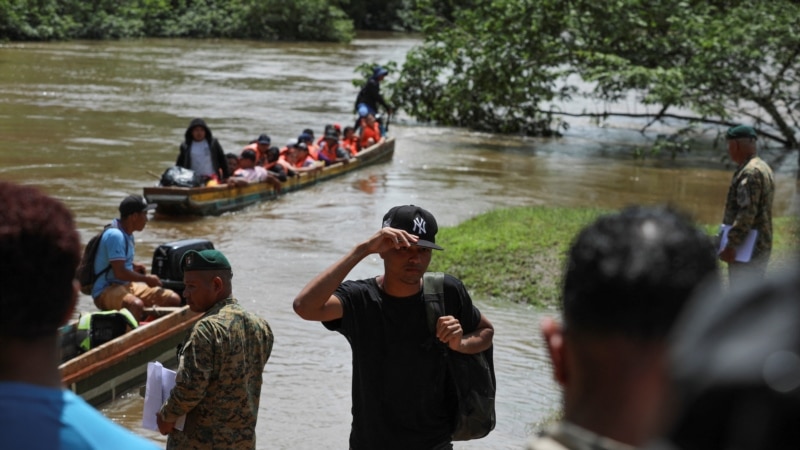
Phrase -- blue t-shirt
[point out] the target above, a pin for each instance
(41, 418)
(112, 248)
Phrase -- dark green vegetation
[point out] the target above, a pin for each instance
(294, 20)
(496, 65)
(518, 254)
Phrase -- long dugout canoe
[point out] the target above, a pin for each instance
(216, 200)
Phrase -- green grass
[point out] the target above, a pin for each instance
(512, 254)
(517, 254)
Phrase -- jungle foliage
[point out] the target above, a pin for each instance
(307, 20)
(499, 65)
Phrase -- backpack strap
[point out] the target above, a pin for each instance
(433, 293)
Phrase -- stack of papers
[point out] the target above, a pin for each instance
(745, 250)
(160, 382)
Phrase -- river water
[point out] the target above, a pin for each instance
(91, 122)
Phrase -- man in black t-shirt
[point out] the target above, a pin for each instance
(400, 396)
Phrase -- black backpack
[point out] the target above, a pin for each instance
(85, 273)
(472, 375)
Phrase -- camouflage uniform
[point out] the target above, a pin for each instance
(219, 380)
(749, 206)
(566, 436)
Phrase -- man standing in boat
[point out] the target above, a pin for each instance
(39, 253)
(124, 283)
(218, 385)
(201, 152)
(400, 395)
(370, 94)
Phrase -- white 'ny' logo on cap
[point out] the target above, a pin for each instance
(419, 225)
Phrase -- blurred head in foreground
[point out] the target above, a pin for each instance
(736, 368)
(627, 277)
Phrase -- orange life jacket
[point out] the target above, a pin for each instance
(351, 144)
(329, 152)
(254, 147)
(367, 132)
(313, 151)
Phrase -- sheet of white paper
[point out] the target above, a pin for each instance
(160, 382)
(167, 383)
(745, 250)
(152, 396)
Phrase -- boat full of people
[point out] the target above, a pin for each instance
(215, 198)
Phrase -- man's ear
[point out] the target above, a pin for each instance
(554, 340)
(218, 284)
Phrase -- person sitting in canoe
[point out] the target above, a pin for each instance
(350, 141)
(201, 152)
(330, 128)
(273, 165)
(233, 161)
(248, 172)
(260, 145)
(331, 152)
(123, 283)
(369, 132)
(307, 136)
(299, 160)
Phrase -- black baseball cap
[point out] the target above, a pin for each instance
(134, 204)
(416, 221)
(264, 139)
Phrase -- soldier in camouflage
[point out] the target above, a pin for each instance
(221, 361)
(748, 205)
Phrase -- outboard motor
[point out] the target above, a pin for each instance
(167, 261)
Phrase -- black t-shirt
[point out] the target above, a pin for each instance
(400, 398)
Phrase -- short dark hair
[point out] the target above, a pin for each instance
(632, 272)
(39, 253)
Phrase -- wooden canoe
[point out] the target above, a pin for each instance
(215, 200)
(102, 373)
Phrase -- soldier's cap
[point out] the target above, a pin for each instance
(134, 204)
(204, 260)
(416, 221)
(737, 354)
(741, 131)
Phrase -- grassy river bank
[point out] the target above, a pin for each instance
(517, 254)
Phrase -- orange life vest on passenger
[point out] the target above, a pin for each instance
(329, 152)
(367, 132)
(254, 147)
(350, 144)
(313, 151)
(289, 164)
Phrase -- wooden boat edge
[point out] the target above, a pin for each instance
(136, 341)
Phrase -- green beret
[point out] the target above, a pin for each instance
(741, 131)
(204, 260)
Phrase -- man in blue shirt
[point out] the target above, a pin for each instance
(39, 253)
(126, 284)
